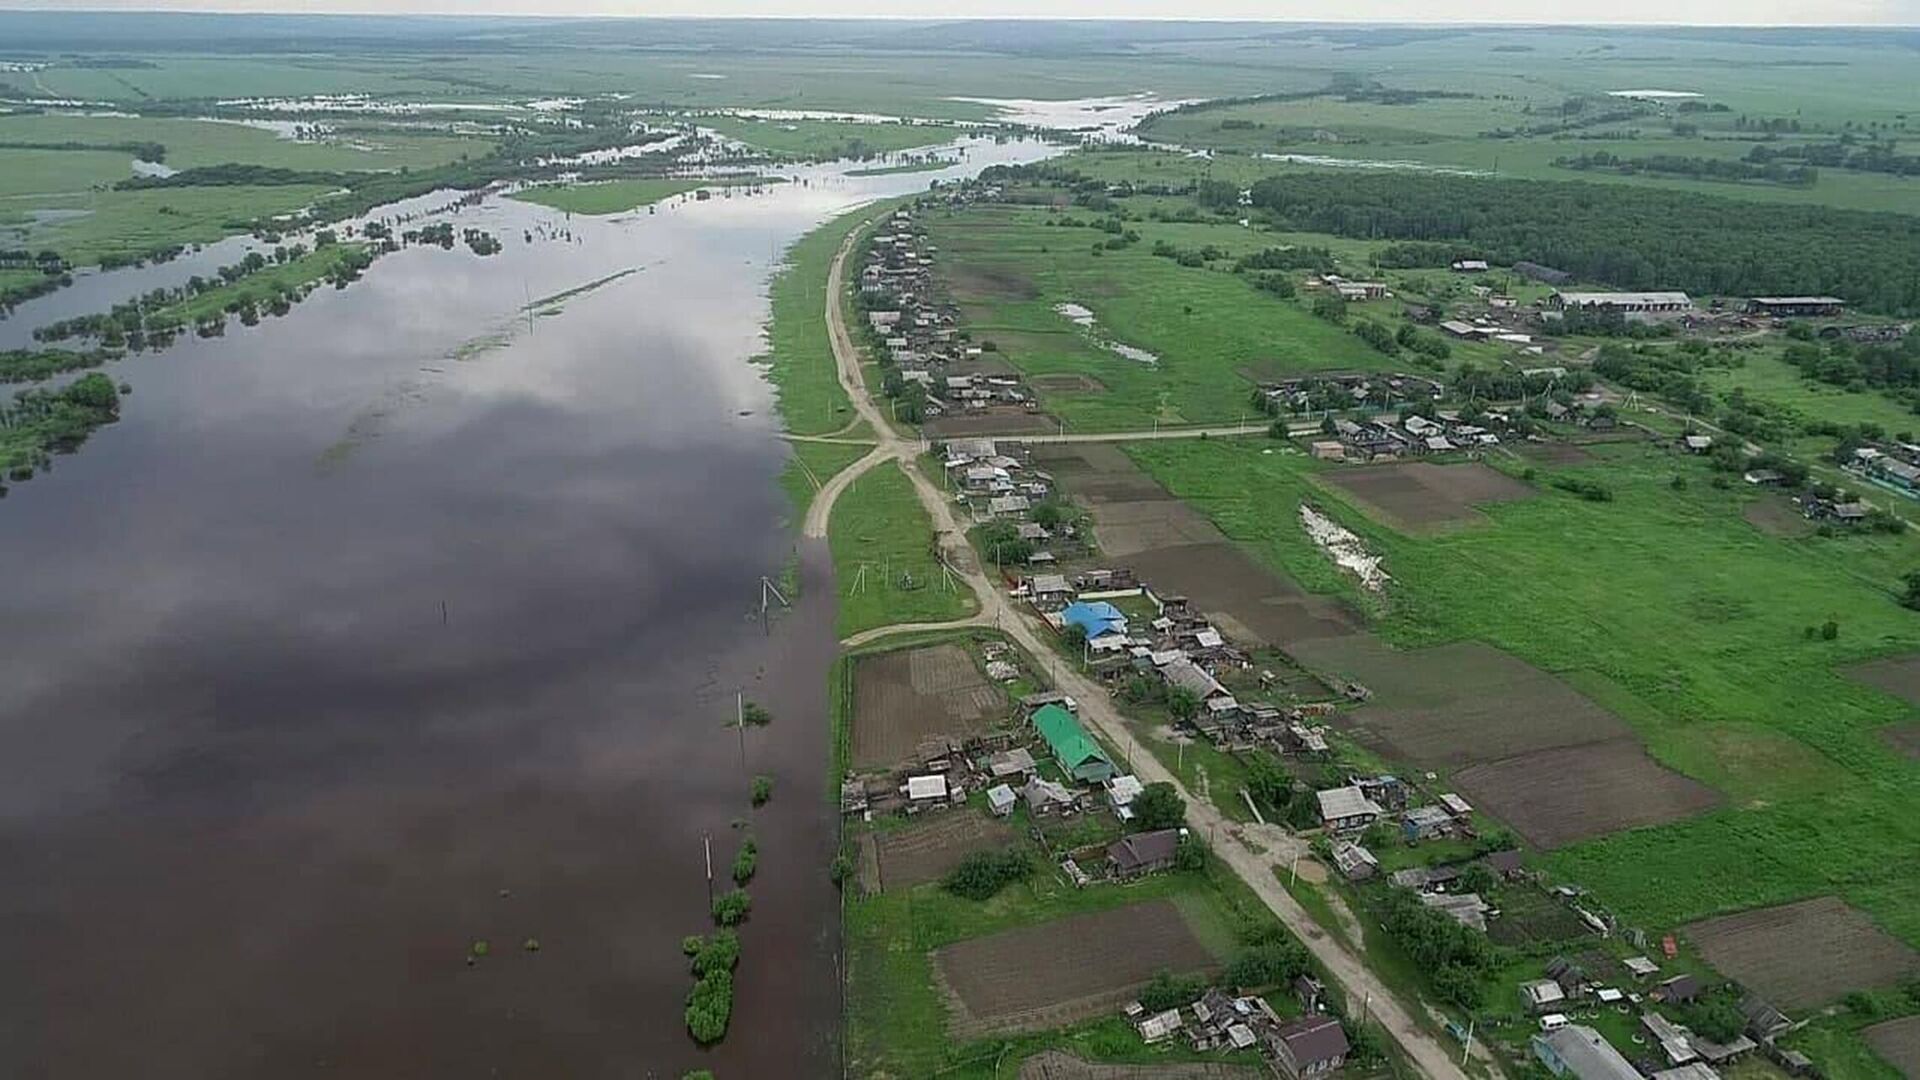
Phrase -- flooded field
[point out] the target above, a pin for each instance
(355, 643)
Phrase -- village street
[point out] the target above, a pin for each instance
(1277, 847)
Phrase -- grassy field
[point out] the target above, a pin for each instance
(1646, 604)
(813, 464)
(136, 222)
(193, 143)
(829, 139)
(1007, 268)
(799, 354)
(611, 197)
(263, 286)
(878, 525)
(1766, 378)
(57, 172)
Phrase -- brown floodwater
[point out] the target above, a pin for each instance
(404, 622)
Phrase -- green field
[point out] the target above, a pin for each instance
(828, 139)
(883, 557)
(193, 143)
(1007, 269)
(799, 355)
(261, 287)
(611, 197)
(136, 222)
(1646, 604)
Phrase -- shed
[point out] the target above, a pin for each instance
(926, 788)
(1001, 800)
(1159, 1026)
(1640, 967)
(1679, 988)
(1540, 995)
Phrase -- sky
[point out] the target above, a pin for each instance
(1614, 12)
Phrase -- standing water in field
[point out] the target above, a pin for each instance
(412, 621)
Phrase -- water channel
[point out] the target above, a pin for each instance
(410, 620)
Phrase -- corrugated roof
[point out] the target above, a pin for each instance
(1065, 738)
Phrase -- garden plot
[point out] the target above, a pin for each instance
(1897, 675)
(1060, 1065)
(1055, 973)
(1000, 420)
(926, 851)
(1560, 796)
(1898, 1041)
(1804, 954)
(1903, 738)
(1416, 495)
(902, 698)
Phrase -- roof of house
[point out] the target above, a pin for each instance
(1640, 965)
(1346, 802)
(1041, 792)
(1188, 675)
(1011, 762)
(1124, 789)
(1000, 795)
(1144, 849)
(1587, 1055)
(1096, 617)
(1542, 991)
(1065, 738)
(1049, 583)
(926, 787)
(1693, 1070)
(1314, 1039)
(1681, 988)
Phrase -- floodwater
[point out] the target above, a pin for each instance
(338, 654)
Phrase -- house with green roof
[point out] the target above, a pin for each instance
(1079, 756)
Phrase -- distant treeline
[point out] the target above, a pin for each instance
(1630, 237)
(1751, 170)
(1874, 157)
(233, 175)
(145, 151)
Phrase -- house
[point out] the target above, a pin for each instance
(1049, 590)
(1097, 618)
(1796, 307)
(1121, 791)
(1679, 988)
(1001, 800)
(1328, 450)
(1346, 808)
(1578, 1051)
(1467, 909)
(1143, 853)
(1008, 505)
(1192, 678)
(1078, 756)
(1541, 995)
(1509, 864)
(1361, 290)
(1469, 266)
(1354, 862)
(1624, 303)
(1309, 1046)
(1673, 1040)
(1045, 797)
(1014, 765)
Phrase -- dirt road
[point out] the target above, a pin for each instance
(1256, 868)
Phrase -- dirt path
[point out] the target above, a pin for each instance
(1096, 707)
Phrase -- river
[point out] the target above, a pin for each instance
(408, 621)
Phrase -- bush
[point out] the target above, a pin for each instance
(755, 714)
(762, 789)
(730, 908)
(745, 862)
(710, 1007)
(983, 874)
(1158, 806)
(1590, 490)
(1268, 965)
(1167, 992)
(718, 951)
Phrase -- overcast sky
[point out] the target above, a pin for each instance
(1615, 12)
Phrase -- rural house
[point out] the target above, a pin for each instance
(1078, 755)
(1578, 1051)
(1143, 853)
(1346, 808)
(1309, 1046)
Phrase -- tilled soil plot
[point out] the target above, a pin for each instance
(1904, 738)
(1897, 675)
(1572, 793)
(902, 698)
(1804, 954)
(926, 851)
(1060, 1065)
(1059, 972)
(1898, 1041)
(1420, 495)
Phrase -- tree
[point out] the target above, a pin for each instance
(1267, 965)
(1476, 878)
(755, 714)
(746, 861)
(762, 789)
(1267, 782)
(1189, 855)
(1158, 806)
(1183, 703)
(1331, 308)
(1167, 992)
(983, 874)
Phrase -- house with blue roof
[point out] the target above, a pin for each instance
(1097, 617)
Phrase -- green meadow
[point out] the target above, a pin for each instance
(1650, 605)
(828, 139)
(610, 197)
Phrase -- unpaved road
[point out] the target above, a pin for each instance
(1096, 708)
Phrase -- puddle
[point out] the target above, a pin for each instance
(1082, 316)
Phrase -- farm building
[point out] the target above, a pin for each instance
(1426, 823)
(1578, 1051)
(1347, 808)
(1309, 1046)
(925, 790)
(1796, 307)
(1541, 995)
(1078, 755)
(1143, 853)
(1049, 590)
(1625, 303)
(1469, 266)
(1013, 765)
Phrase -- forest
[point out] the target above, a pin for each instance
(1628, 237)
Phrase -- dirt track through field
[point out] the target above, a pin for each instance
(1805, 954)
(1055, 973)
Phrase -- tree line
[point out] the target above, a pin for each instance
(1632, 238)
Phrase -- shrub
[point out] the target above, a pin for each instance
(755, 714)
(1158, 806)
(1268, 965)
(762, 789)
(730, 908)
(745, 862)
(984, 873)
(1167, 992)
(710, 1007)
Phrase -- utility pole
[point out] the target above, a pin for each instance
(1466, 1047)
(706, 841)
(740, 721)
